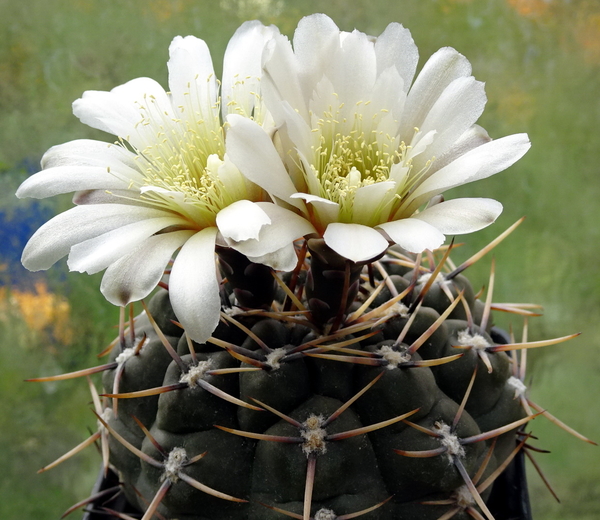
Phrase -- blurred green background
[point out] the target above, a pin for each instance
(541, 62)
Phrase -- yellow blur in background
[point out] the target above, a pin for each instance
(45, 314)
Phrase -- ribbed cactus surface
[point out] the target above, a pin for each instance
(392, 405)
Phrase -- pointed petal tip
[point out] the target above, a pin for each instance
(461, 216)
(414, 235)
(193, 286)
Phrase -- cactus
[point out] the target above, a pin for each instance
(382, 392)
(333, 363)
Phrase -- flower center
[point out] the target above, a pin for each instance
(183, 164)
(349, 162)
(353, 151)
(177, 157)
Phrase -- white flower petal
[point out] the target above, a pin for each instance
(281, 78)
(123, 197)
(137, 91)
(327, 211)
(479, 163)
(284, 259)
(413, 235)
(54, 239)
(106, 112)
(242, 68)
(389, 93)
(252, 151)
(440, 70)
(316, 40)
(421, 142)
(297, 128)
(454, 112)
(458, 216)
(242, 220)
(192, 81)
(87, 152)
(122, 110)
(309, 197)
(66, 179)
(285, 227)
(193, 286)
(353, 74)
(135, 275)
(355, 242)
(98, 253)
(395, 47)
(472, 138)
(369, 201)
(399, 173)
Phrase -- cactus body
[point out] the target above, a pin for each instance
(372, 407)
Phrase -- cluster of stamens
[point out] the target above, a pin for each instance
(181, 162)
(351, 164)
(350, 154)
(348, 157)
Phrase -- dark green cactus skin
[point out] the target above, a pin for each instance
(352, 474)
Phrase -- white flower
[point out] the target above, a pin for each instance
(360, 152)
(167, 184)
